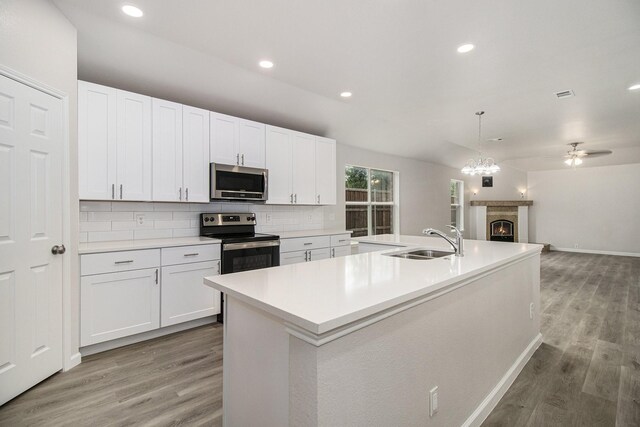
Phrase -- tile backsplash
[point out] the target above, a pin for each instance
(107, 221)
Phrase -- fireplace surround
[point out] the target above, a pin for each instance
(500, 220)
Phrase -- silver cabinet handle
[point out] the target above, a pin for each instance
(129, 261)
(295, 198)
(306, 256)
(342, 240)
(242, 157)
(120, 191)
(180, 193)
(186, 193)
(218, 267)
(193, 254)
(113, 191)
(308, 243)
(238, 159)
(333, 252)
(309, 255)
(291, 197)
(58, 249)
(156, 276)
(318, 199)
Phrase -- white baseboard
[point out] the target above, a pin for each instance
(72, 362)
(121, 342)
(491, 400)
(591, 251)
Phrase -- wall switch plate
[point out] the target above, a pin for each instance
(140, 219)
(310, 218)
(531, 311)
(433, 401)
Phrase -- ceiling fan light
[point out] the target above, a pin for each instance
(577, 161)
(568, 162)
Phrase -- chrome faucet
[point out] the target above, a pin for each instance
(458, 245)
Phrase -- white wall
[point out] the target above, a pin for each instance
(594, 208)
(108, 221)
(37, 40)
(424, 189)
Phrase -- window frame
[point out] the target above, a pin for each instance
(369, 203)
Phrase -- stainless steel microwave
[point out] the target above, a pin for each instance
(238, 183)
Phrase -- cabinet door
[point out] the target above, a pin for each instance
(251, 144)
(325, 171)
(96, 141)
(318, 254)
(167, 151)
(304, 168)
(116, 305)
(133, 145)
(184, 295)
(293, 257)
(224, 139)
(195, 149)
(340, 251)
(279, 163)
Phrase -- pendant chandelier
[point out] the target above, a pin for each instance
(481, 165)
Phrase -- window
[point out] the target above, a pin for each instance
(457, 204)
(371, 201)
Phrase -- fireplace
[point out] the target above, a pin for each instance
(501, 231)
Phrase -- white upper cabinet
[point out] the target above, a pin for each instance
(114, 144)
(279, 163)
(325, 171)
(237, 141)
(303, 168)
(167, 151)
(251, 143)
(195, 154)
(133, 146)
(223, 147)
(96, 141)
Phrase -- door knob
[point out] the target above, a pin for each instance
(58, 250)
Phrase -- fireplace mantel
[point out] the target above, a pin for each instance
(485, 211)
(501, 202)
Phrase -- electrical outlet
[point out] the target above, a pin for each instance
(433, 401)
(531, 311)
(268, 218)
(140, 219)
(310, 218)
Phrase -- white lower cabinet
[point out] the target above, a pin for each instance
(129, 292)
(115, 305)
(184, 296)
(317, 248)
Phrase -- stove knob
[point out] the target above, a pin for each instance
(206, 219)
(251, 218)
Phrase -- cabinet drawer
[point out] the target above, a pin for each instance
(318, 254)
(293, 257)
(341, 240)
(304, 243)
(112, 262)
(188, 254)
(339, 251)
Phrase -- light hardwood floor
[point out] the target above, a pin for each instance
(586, 373)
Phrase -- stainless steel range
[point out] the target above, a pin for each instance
(242, 248)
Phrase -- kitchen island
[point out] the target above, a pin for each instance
(371, 339)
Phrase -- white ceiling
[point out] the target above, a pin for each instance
(414, 95)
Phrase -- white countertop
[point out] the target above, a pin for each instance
(323, 295)
(128, 245)
(310, 233)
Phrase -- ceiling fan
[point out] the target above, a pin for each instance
(574, 157)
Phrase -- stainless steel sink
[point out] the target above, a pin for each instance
(422, 254)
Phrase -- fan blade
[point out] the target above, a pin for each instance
(596, 153)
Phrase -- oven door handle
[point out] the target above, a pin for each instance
(250, 245)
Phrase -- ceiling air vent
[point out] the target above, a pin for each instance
(565, 94)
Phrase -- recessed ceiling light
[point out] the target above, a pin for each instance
(346, 94)
(465, 48)
(132, 11)
(266, 63)
(635, 86)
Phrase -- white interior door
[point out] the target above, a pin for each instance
(31, 149)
